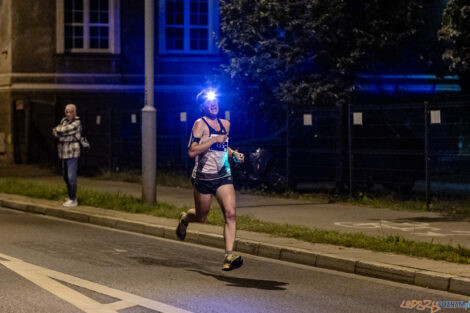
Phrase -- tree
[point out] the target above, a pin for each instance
(284, 53)
(308, 52)
(455, 31)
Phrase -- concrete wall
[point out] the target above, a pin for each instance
(5, 37)
(6, 148)
(33, 36)
(33, 45)
(132, 36)
(45, 81)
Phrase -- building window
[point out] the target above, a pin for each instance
(188, 26)
(199, 24)
(99, 24)
(88, 26)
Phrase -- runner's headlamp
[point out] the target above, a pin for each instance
(210, 95)
(206, 95)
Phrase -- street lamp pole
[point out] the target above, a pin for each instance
(149, 113)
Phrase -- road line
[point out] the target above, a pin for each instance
(119, 305)
(44, 278)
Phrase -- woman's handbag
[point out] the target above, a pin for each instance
(84, 143)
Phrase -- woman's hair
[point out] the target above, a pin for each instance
(71, 106)
(201, 99)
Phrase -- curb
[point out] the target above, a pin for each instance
(422, 278)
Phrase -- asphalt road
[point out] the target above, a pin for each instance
(51, 265)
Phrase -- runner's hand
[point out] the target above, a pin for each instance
(239, 157)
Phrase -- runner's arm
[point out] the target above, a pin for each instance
(196, 148)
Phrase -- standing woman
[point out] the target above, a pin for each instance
(68, 133)
(211, 174)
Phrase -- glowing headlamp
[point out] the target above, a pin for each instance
(208, 94)
(211, 95)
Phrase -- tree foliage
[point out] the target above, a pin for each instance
(455, 31)
(309, 52)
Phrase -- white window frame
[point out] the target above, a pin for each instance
(114, 45)
(213, 29)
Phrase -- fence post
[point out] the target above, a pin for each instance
(426, 154)
(287, 146)
(350, 151)
(109, 118)
(186, 158)
(183, 131)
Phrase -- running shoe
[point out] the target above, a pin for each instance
(181, 228)
(232, 261)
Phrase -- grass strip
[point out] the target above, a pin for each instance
(449, 205)
(164, 178)
(393, 244)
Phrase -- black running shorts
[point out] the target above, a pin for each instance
(211, 186)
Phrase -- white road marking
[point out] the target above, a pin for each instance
(431, 234)
(45, 278)
(461, 232)
(405, 227)
(389, 225)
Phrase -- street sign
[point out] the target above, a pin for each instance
(308, 120)
(435, 116)
(357, 118)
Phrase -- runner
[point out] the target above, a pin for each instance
(211, 174)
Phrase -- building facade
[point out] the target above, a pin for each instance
(91, 53)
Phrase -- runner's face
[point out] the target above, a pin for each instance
(212, 108)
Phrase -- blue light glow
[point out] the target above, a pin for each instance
(408, 84)
(410, 76)
(211, 95)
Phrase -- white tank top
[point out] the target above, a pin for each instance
(213, 163)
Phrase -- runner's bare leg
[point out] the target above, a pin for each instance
(226, 196)
(202, 202)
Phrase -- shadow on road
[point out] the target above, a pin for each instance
(231, 281)
(246, 282)
(175, 263)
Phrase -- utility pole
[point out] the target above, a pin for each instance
(149, 113)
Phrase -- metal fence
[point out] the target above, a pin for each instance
(115, 137)
(413, 147)
(417, 147)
